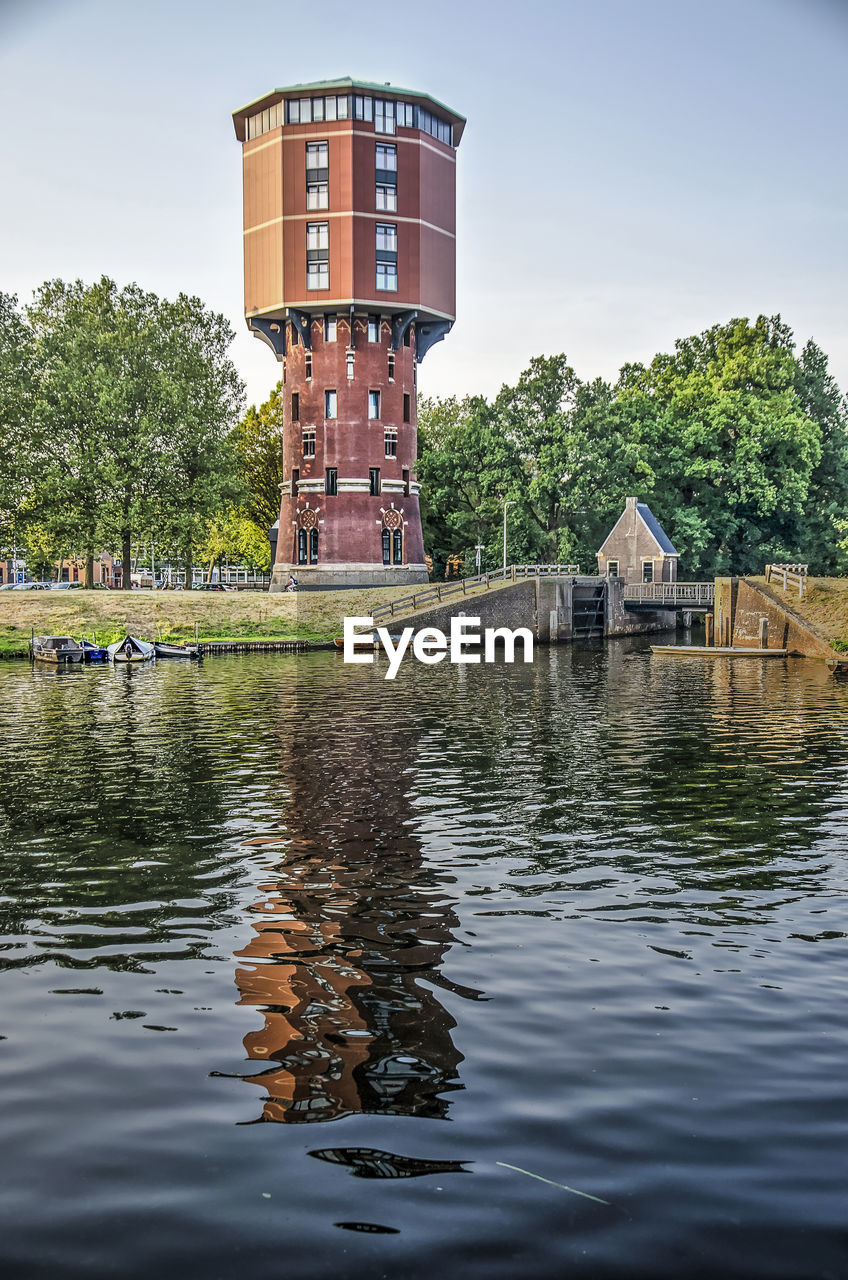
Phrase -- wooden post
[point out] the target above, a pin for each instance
(709, 627)
(763, 633)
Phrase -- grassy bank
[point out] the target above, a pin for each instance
(172, 615)
(825, 606)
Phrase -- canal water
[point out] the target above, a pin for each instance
(524, 971)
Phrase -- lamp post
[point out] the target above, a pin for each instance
(507, 503)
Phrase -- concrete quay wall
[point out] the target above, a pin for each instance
(741, 606)
(545, 605)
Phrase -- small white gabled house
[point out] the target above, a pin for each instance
(637, 548)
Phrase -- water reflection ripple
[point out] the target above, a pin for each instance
(576, 930)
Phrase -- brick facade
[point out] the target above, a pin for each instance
(350, 276)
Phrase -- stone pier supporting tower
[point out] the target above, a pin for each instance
(350, 266)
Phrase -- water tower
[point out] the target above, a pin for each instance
(350, 277)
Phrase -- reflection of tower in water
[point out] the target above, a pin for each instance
(352, 931)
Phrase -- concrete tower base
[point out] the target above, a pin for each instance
(332, 576)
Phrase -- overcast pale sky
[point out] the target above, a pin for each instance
(632, 171)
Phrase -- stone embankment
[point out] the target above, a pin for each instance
(749, 609)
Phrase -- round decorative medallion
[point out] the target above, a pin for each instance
(392, 519)
(308, 519)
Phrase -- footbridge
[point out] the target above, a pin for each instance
(555, 600)
(683, 597)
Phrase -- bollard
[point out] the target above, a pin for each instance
(763, 633)
(709, 628)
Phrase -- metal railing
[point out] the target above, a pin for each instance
(482, 581)
(790, 575)
(672, 592)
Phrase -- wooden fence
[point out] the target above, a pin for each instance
(789, 575)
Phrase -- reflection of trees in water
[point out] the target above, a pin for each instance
(599, 756)
(106, 804)
(352, 934)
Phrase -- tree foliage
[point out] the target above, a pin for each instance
(739, 444)
(134, 400)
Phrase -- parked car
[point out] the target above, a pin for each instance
(66, 586)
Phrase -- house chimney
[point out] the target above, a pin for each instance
(630, 504)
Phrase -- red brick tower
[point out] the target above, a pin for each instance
(349, 270)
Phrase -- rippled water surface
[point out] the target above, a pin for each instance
(510, 971)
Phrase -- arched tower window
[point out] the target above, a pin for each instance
(301, 546)
(313, 546)
(387, 547)
(397, 546)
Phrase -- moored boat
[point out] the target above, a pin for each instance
(57, 649)
(714, 651)
(130, 649)
(93, 652)
(163, 650)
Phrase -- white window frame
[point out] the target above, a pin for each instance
(373, 406)
(331, 404)
(387, 277)
(386, 198)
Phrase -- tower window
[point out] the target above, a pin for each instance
(386, 237)
(373, 328)
(386, 198)
(331, 482)
(317, 255)
(397, 546)
(386, 162)
(407, 405)
(317, 161)
(313, 546)
(387, 546)
(307, 365)
(384, 116)
(330, 330)
(350, 366)
(373, 405)
(374, 481)
(295, 406)
(391, 367)
(330, 404)
(309, 442)
(317, 195)
(391, 444)
(387, 277)
(301, 546)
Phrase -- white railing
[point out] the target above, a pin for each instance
(482, 581)
(671, 592)
(789, 575)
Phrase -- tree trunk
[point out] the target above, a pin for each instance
(126, 561)
(189, 569)
(88, 577)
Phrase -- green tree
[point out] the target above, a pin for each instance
(460, 476)
(135, 400)
(728, 441)
(258, 444)
(17, 369)
(815, 533)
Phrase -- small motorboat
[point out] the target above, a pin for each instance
(130, 649)
(163, 650)
(93, 652)
(714, 651)
(62, 649)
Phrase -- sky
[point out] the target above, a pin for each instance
(632, 171)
